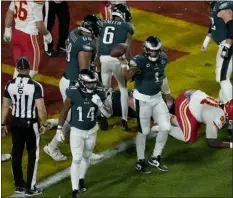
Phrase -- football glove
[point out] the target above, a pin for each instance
(225, 52)
(59, 135)
(96, 100)
(48, 38)
(7, 35)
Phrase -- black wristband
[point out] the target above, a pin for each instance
(229, 25)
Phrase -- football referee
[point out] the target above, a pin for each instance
(25, 97)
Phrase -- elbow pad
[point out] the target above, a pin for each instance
(229, 25)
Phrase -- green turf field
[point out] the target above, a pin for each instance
(194, 171)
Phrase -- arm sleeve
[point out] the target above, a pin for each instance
(38, 11)
(39, 91)
(12, 6)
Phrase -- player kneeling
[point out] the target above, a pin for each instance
(84, 102)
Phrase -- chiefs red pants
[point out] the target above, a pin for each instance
(106, 10)
(26, 45)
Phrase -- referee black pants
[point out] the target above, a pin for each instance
(24, 134)
(61, 10)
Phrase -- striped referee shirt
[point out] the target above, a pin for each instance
(23, 91)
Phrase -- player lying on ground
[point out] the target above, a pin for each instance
(84, 101)
(193, 108)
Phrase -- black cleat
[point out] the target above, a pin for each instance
(103, 123)
(33, 192)
(156, 162)
(75, 194)
(20, 189)
(61, 50)
(124, 125)
(51, 53)
(82, 187)
(142, 166)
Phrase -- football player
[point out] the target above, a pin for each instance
(83, 101)
(28, 23)
(221, 31)
(193, 108)
(81, 51)
(148, 72)
(118, 30)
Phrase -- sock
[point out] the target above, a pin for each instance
(140, 145)
(124, 102)
(177, 133)
(226, 91)
(83, 167)
(54, 144)
(160, 142)
(74, 174)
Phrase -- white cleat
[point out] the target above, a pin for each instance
(96, 157)
(55, 154)
(5, 157)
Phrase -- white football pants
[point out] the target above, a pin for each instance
(111, 66)
(223, 74)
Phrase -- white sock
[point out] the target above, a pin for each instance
(124, 103)
(83, 167)
(140, 145)
(177, 133)
(226, 91)
(160, 142)
(74, 174)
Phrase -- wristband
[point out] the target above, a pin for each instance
(231, 145)
(124, 65)
(206, 41)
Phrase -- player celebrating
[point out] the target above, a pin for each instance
(84, 101)
(81, 51)
(119, 30)
(194, 107)
(148, 72)
(28, 22)
(221, 31)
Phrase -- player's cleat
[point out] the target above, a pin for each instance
(82, 187)
(20, 189)
(142, 166)
(124, 125)
(55, 154)
(33, 192)
(156, 162)
(61, 50)
(96, 157)
(5, 157)
(75, 194)
(51, 53)
(103, 123)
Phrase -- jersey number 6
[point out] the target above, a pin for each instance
(108, 35)
(20, 11)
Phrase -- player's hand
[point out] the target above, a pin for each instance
(4, 130)
(225, 52)
(59, 135)
(96, 100)
(48, 38)
(45, 127)
(7, 35)
(203, 48)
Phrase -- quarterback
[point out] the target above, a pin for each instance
(83, 101)
(221, 31)
(118, 30)
(148, 72)
(28, 23)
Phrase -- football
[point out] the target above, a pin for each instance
(118, 50)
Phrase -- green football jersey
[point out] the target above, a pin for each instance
(77, 43)
(218, 26)
(83, 110)
(113, 32)
(150, 80)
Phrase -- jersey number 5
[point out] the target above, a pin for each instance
(20, 10)
(90, 114)
(108, 35)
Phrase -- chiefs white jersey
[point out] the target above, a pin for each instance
(26, 13)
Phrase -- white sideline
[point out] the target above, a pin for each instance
(66, 172)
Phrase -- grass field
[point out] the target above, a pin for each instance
(194, 171)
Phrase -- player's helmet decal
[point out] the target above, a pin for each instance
(152, 48)
(92, 24)
(228, 110)
(87, 81)
(122, 11)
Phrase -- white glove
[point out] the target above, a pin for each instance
(48, 38)
(96, 100)
(59, 135)
(7, 34)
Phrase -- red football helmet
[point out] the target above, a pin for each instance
(228, 110)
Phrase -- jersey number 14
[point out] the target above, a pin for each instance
(90, 114)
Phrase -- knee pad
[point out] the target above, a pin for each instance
(87, 154)
(165, 126)
(77, 158)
